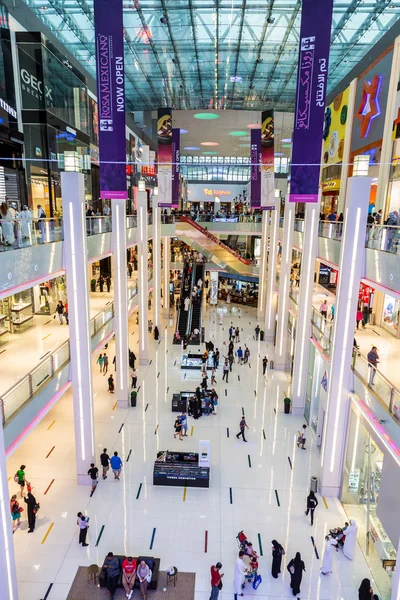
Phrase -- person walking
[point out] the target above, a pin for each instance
(111, 386)
(312, 504)
(129, 575)
(240, 572)
(242, 426)
(134, 377)
(237, 334)
(20, 478)
(100, 362)
(349, 546)
(130, 269)
(143, 574)
(15, 510)
(178, 428)
(213, 380)
(83, 523)
(373, 361)
(257, 332)
(216, 580)
(111, 566)
(365, 312)
(296, 568)
(323, 309)
(105, 462)
(66, 312)
(230, 333)
(301, 440)
(93, 472)
(264, 364)
(105, 363)
(359, 317)
(216, 358)
(184, 423)
(240, 355)
(365, 590)
(60, 311)
(108, 283)
(330, 546)
(246, 355)
(277, 553)
(116, 465)
(32, 507)
(225, 371)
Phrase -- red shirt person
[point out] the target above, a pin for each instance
(128, 575)
(216, 580)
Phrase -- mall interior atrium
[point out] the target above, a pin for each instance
(199, 225)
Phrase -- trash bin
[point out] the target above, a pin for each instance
(314, 484)
(133, 397)
(271, 365)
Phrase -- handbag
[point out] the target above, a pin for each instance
(149, 576)
(36, 509)
(219, 586)
(16, 478)
(291, 569)
(257, 581)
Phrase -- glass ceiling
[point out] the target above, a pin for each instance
(237, 54)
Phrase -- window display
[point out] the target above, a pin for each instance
(390, 315)
(18, 312)
(47, 294)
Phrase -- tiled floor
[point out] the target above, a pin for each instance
(181, 522)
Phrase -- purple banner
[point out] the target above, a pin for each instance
(176, 167)
(312, 74)
(255, 168)
(111, 97)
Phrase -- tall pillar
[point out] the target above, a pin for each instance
(118, 243)
(303, 332)
(284, 284)
(262, 279)
(76, 260)
(156, 263)
(143, 282)
(396, 580)
(166, 269)
(351, 261)
(385, 163)
(347, 147)
(271, 299)
(8, 573)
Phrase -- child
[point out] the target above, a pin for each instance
(213, 380)
(29, 487)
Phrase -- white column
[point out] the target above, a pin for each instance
(284, 284)
(351, 261)
(166, 269)
(156, 264)
(396, 580)
(118, 242)
(8, 573)
(76, 260)
(271, 295)
(262, 279)
(347, 147)
(303, 332)
(387, 145)
(143, 283)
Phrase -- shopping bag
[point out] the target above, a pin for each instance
(257, 581)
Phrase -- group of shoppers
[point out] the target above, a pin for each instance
(32, 506)
(130, 572)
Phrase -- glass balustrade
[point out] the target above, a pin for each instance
(383, 237)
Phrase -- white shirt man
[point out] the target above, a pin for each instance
(26, 221)
(186, 304)
(199, 283)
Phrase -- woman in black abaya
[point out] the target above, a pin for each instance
(277, 553)
(31, 503)
(296, 568)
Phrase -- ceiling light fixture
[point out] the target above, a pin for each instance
(182, 131)
(237, 133)
(209, 144)
(286, 140)
(191, 148)
(254, 126)
(206, 116)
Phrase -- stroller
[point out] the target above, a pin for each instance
(338, 534)
(252, 576)
(241, 539)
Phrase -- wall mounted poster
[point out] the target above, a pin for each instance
(255, 172)
(267, 160)
(164, 136)
(312, 74)
(111, 97)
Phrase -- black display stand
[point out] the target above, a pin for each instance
(180, 402)
(180, 469)
(194, 361)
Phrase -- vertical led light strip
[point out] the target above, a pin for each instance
(309, 290)
(157, 263)
(288, 250)
(272, 263)
(166, 255)
(5, 519)
(120, 270)
(263, 260)
(142, 275)
(353, 460)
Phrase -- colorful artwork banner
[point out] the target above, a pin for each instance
(312, 75)
(255, 172)
(111, 97)
(176, 167)
(164, 137)
(267, 160)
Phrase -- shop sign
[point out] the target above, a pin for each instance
(354, 481)
(11, 111)
(332, 185)
(335, 128)
(369, 107)
(35, 87)
(365, 292)
(216, 192)
(255, 174)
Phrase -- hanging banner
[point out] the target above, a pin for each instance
(255, 173)
(164, 136)
(312, 73)
(267, 160)
(176, 167)
(111, 97)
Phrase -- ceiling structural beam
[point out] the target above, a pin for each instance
(176, 54)
(194, 35)
(344, 19)
(281, 50)
(216, 55)
(235, 68)
(260, 45)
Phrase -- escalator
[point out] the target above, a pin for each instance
(186, 292)
(196, 304)
(232, 241)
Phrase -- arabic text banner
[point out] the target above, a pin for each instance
(176, 156)
(255, 173)
(111, 97)
(164, 136)
(267, 160)
(312, 73)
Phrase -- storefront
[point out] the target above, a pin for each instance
(368, 477)
(55, 118)
(16, 313)
(47, 294)
(330, 194)
(328, 277)
(390, 315)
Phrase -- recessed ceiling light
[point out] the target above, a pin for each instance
(279, 154)
(287, 140)
(244, 146)
(191, 148)
(286, 145)
(183, 130)
(254, 126)
(209, 144)
(206, 116)
(246, 138)
(237, 133)
(210, 153)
